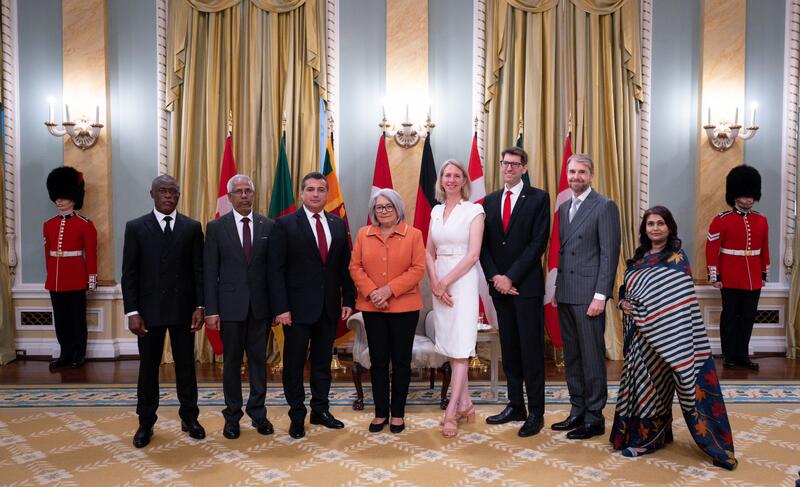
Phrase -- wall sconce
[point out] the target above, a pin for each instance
(722, 135)
(82, 133)
(407, 136)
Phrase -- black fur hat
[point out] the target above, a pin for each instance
(742, 181)
(66, 182)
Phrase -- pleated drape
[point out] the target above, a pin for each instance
(7, 343)
(260, 60)
(550, 62)
(793, 318)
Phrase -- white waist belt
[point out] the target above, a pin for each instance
(451, 250)
(746, 253)
(66, 253)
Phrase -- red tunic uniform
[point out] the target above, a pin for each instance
(737, 249)
(70, 250)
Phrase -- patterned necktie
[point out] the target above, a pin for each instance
(574, 208)
(507, 210)
(167, 228)
(247, 240)
(322, 242)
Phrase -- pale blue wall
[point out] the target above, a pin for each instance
(674, 112)
(39, 24)
(362, 85)
(764, 85)
(450, 78)
(134, 133)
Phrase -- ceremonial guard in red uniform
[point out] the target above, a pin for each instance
(737, 254)
(70, 250)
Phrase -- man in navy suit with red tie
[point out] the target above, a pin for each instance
(311, 290)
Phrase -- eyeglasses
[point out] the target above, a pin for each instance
(513, 164)
(384, 208)
(241, 192)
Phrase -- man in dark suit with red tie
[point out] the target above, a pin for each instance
(162, 290)
(237, 301)
(311, 290)
(514, 239)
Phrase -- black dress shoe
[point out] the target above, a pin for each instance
(532, 426)
(297, 430)
(263, 426)
(231, 430)
(749, 364)
(326, 419)
(729, 364)
(586, 431)
(142, 436)
(194, 428)
(568, 424)
(377, 427)
(397, 428)
(507, 415)
(59, 363)
(77, 363)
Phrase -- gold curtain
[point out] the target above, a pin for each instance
(595, 45)
(793, 318)
(7, 344)
(261, 60)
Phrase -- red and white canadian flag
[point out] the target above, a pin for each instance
(478, 194)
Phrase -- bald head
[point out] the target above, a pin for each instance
(165, 192)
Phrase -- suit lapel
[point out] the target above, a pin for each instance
(308, 234)
(521, 200)
(229, 223)
(151, 223)
(492, 210)
(177, 227)
(580, 216)
(336, 237)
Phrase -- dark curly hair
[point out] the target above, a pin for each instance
(673, 242)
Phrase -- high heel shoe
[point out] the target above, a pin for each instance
(449, 427)
(468, 414)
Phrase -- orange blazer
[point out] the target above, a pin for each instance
(397, 260)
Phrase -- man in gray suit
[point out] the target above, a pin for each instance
(590, 240)
(237, 301)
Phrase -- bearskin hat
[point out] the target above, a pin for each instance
(66, 182)
(743, 180)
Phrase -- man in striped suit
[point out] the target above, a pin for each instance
(590, 244)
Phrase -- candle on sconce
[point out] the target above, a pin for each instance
(66, 110)
(753, 117)
(50, 119)
(429, 112)
(709, 115)
(97, 114)
(736, 117)
(407, 112)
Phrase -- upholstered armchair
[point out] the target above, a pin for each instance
(423, 356)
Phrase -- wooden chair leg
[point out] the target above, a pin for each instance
(447, 372)
(432, 375)
(357, 370)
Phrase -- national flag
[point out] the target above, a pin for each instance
(426, 193)
(227, 171)
(382, 177)
(486, 306)
(550, 311)
(525, 178)
(335, 205)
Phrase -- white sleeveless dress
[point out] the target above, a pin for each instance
(457, 326)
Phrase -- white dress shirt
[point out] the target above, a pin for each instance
(582, 197)
(240, 226)
(515, 192)
(160, 218)
(313, 222)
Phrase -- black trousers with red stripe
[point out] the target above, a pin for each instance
(69, 315)
(739, 308)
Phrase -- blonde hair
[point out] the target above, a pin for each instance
(466, 190)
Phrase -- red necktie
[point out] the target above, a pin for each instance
(507, 211)
(322, 242)
(247, 241)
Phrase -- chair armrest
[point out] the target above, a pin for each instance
(360, 344)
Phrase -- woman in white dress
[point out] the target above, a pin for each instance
(454, 246)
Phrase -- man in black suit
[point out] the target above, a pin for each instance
(162, 289)
(237, 301)
(514, 239)
(311, 290)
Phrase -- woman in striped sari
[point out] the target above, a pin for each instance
(666, 351)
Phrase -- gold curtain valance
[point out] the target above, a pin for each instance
(278, 6)
(533, 6)
(597, 7)
(212, 6)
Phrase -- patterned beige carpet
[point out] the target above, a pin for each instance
(92, 446)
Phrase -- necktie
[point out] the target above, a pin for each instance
(574, 208)
(247, 241)
(322, 242)
(506, 210)
(167, 228)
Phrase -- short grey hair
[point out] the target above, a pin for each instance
(582, 159)
(394, 198)
(240, 177)
(163, 180)
(466, 190)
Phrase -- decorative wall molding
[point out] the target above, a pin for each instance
(644, 106)
(95, 348)
(8, 18)
(161, 60)
(771, 290)
(478, 69)
(791, 103)
(37, 291)
(95, 328)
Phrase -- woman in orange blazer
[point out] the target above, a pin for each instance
(387, 264)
